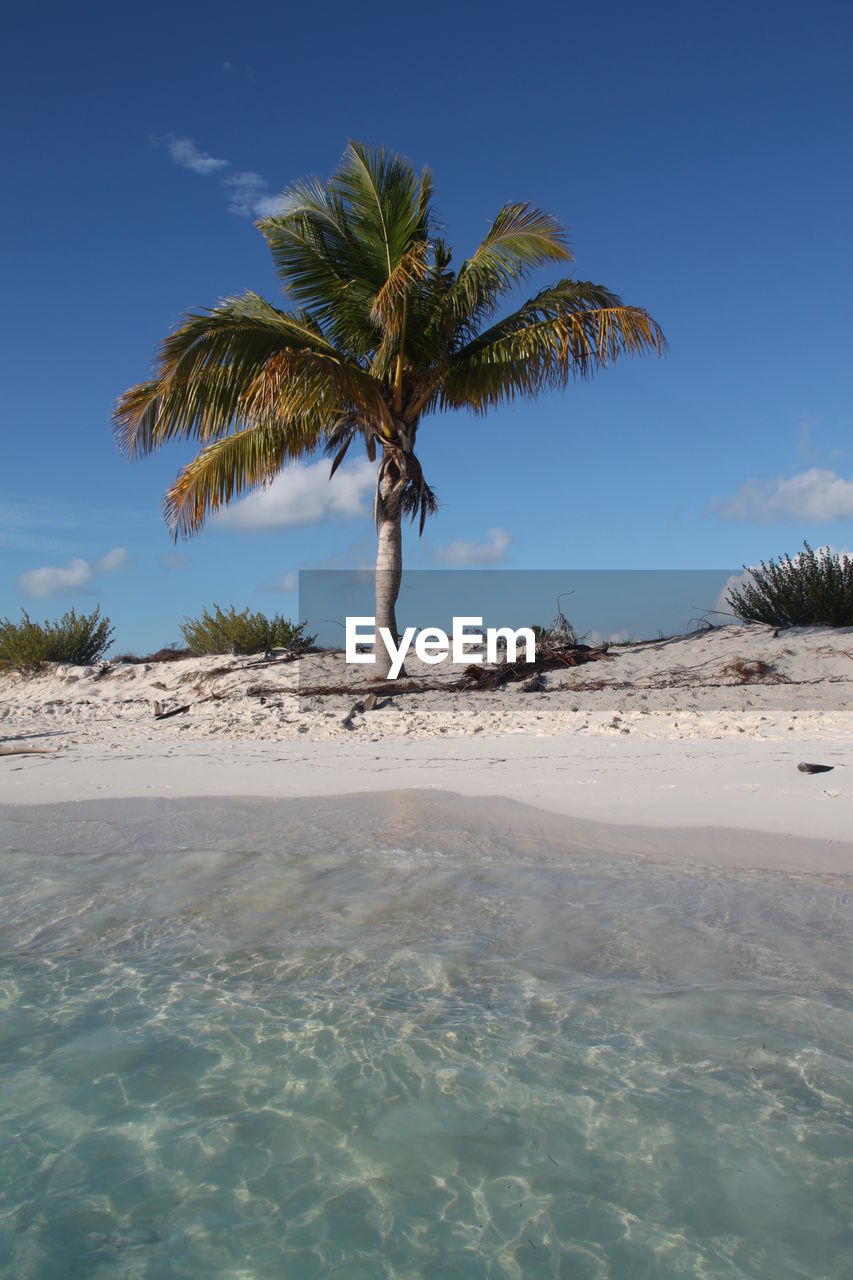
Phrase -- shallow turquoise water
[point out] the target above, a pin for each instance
(334, 1059)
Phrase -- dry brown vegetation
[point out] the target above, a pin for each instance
(752, 671)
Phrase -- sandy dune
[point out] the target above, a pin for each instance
(731, 682)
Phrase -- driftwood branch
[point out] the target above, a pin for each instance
(474, 677)
(166, 715)
(547, 659)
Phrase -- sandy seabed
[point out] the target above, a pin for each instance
(553, 981)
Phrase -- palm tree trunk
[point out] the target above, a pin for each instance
(389, 571)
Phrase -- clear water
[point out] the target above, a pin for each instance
(321, 1055)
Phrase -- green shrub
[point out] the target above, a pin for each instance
(245, 632)
(169, 653)
(70, 639)
(810, 590)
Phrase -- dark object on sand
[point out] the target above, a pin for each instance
(160, 714)
(815, 768)
(370, 703)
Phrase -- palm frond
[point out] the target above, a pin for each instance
(225, 469)
(242, 362)
(342, 436)
(203, 370)
(388, 207)
(336, 245)
(338, 444)
(310, 383)
(327, 270)
(569, 330)
(521, 239)
(411, 269)
(135, 419)
(420, 500)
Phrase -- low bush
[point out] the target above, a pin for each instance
(78, 640)
(245, 632)
(812, 589)
(170, 653)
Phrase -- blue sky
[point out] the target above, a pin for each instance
(698, 154)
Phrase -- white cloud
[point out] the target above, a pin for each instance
(248, 192)
(303, 495)
(815, 495)
(113, 561)
(287, 583)
(604, 637)
(268, 206)
(462, 552)
(737, 580)
(186, 155)
(77, 575)
(52, 580)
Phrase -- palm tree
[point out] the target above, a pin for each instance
(381, 334)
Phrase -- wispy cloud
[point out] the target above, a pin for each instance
(53, 580)
(462, 552)
(48, 527)
(247, 193)
(174, 560)
(358, 555)
(805, 432)
(246, 70)
(186, 155)
(113, 561)
(285, 585)
(816, 495)
(77, 575)
(737, 580)
(268, 205)
(606, 637)
(303, 495)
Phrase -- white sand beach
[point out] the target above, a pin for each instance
(671, 741)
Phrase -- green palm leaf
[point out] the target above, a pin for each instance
(570, 330)
(242, 362)
(229, 467)
(520, 240)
